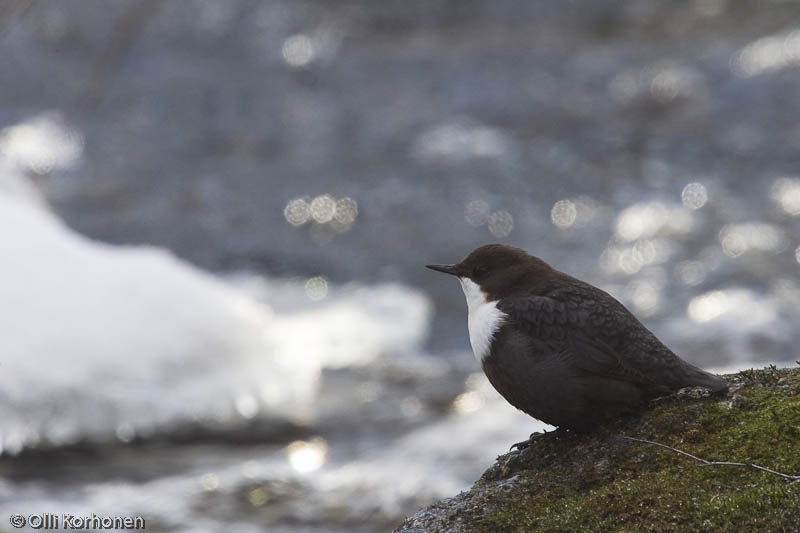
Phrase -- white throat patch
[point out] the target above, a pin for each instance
(484, 318)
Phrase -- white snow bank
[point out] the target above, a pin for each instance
(98, 339)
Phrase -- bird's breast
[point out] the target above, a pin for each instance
(484, 319)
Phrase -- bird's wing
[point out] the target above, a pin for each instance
(576, 331)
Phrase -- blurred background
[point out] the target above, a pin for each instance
(214, 218)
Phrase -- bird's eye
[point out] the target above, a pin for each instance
(480, 271)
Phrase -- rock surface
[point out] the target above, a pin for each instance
(604, 481)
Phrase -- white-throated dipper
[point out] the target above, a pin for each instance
(559, 349)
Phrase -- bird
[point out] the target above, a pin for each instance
(559, 349)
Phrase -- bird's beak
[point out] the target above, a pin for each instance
(447, 269)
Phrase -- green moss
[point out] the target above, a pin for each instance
(602, 481)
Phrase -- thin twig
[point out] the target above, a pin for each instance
(788, 477)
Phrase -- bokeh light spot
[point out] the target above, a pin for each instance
(257, 496)
(771, 53)
(563, 214)
(331, 215)
(468, 402)
(476, 213)
(246, 405)
(786, 193)
(462, 140)
(736, 239)
(674, 81)
(346, 211)
(317, 288)
(307, 456)
(690, 272)
(125, 432)
(652, 218)
(323, 208)
(501, 223)
(644, 296)
(708, 306)
(42, 143)
(298, 50)
(630, 259)
(297, 212)
(735, 302)
(694, 195)
(209, 482)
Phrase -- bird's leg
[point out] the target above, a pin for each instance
(527, 443)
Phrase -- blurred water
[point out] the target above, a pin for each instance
(215, 216)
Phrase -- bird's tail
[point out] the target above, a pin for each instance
(701, 378)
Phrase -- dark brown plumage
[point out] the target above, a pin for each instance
(564, 351)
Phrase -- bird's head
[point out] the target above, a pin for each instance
(496, 271)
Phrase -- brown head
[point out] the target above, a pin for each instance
(500, 270)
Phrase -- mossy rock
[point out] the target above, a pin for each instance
(602, 481)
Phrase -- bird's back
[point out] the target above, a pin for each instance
(574, 356)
